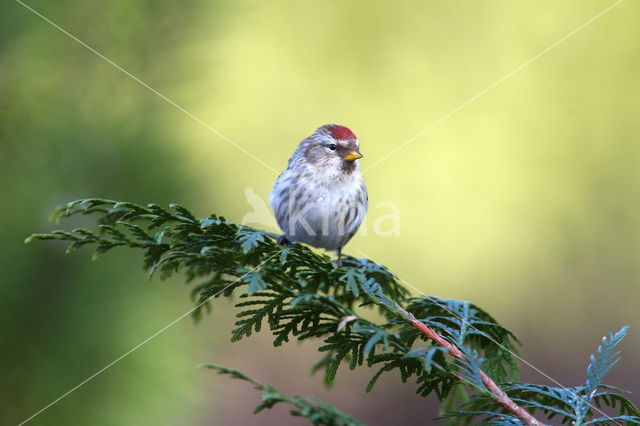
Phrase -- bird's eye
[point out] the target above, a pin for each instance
(332, 147)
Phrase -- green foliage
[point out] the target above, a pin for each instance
(300, 295)
(317, 411)
(464, 324)
(580, 405)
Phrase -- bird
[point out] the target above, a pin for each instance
(321, 198)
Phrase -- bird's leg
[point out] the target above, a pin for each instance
(339, 253)
(282, 241)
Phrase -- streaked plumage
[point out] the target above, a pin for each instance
(321, 198)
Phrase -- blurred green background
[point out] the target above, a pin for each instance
(525, 201)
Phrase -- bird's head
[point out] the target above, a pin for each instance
(332, 146)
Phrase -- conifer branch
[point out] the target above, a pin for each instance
(298, 294)
(315, 410)
(497, 394)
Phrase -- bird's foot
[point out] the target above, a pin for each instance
(282, 240)
(338, 261)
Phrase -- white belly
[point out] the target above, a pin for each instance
(322, 216)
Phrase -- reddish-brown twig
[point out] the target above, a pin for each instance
(497, 394)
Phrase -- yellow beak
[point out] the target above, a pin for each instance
(353, 155)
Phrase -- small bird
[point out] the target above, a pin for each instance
(321, 198)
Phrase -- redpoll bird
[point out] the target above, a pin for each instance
(321, 198)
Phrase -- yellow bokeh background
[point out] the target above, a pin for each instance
(517, 180)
